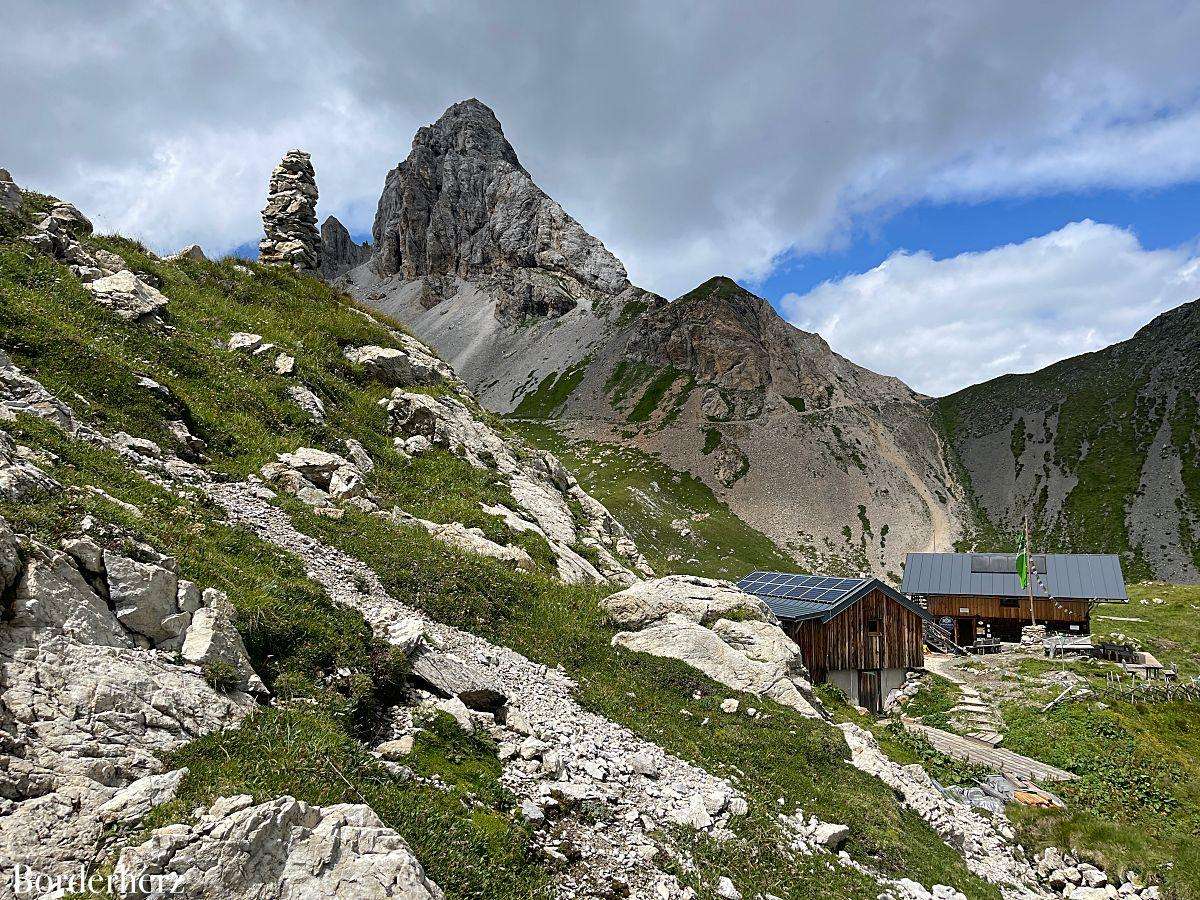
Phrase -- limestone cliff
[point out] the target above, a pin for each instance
(461, 205)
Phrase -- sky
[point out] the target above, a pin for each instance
(946, 191)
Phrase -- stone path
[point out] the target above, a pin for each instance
(979, 716)
(997, 758)
(643, 791)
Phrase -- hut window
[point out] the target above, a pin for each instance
(872, 626)
(1010, 602)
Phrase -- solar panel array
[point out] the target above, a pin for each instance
(810, 588)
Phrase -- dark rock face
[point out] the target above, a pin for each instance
(461, 204)
(290, 216)
(727, 337)
(339, 252)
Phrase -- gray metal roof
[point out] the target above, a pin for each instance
(1068, 576)
(795, 597)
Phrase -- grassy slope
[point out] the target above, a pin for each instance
(311, 743)
(1136, 803)
(647, 496)
(296, 637)
(1108, 415)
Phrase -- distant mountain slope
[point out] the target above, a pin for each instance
(838, 465)
(1102, 449)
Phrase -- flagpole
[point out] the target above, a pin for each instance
(1029, 569)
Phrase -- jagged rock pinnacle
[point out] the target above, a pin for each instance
(339, 253)
(290, 216)
(462, 205)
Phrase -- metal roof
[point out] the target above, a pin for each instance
(796, 597)
(1068, 576)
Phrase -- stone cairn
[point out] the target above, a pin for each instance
(290, 216)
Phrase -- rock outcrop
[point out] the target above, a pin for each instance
(548, 500)
(462, 206)
(93, 695)
(279, 850)
(290, 216)
(10, 194)
(61, 233)
(339, 253)
(699, 600)
(685, 618)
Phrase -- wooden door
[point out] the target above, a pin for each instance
(964, 632)
(868, 691)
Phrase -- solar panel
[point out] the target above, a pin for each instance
(804, 589)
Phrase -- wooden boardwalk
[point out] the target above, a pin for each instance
(996, 758)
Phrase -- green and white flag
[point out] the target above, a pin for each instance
(1023, 566)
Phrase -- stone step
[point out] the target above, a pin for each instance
(987, 737)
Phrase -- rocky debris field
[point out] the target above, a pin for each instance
(565, 764)
(131, 296)
(1069, 877)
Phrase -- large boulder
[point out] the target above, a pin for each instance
(143, 595)
(316, 476)
(128, 296)
(397, 368)
(678, 637)
(283, 849)
(699, 600)
(211, 638)
(52, 594)
(764, 643)
(451, 676)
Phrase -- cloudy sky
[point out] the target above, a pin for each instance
(947, 191)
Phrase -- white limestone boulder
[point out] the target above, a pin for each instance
(283, 849)
(699, 600)
(678, 637)
(212, 638)
(52, 594)
(395, 368)
(143, 595)
(128, 296)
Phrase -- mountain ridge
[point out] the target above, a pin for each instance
(1098, 449)
(838, 465)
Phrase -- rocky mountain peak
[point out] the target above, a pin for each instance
(725, 335)
(462, 206)
(339, 252)
(468, 127)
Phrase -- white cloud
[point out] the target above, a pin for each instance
(941, 325)
(693, 139)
